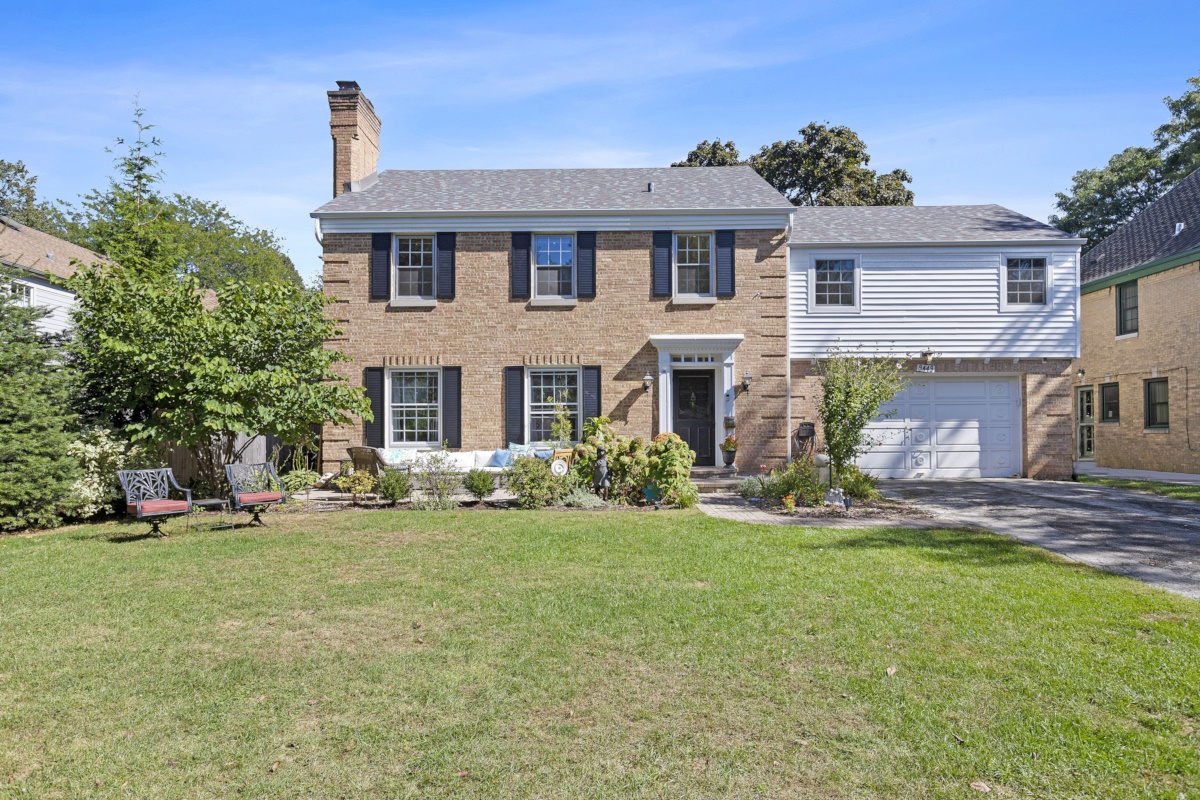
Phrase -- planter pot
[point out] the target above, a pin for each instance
(729, 456)
(652, 494)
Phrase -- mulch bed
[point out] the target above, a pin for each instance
(879, 508)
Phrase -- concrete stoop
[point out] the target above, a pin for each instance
(710, 480)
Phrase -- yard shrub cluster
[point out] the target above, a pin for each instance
(857, 484)
(297, 480)
(798, 480)
(535, 486)
(854, 388)
(356, 484)
(437, 479)
(100, 455)
(480, 483)
(395, 484)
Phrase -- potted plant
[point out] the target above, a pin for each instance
(729, 449)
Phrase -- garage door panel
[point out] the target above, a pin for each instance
(884, 462)
(960, 390)
(1002, 437)
(920, 412)
(958, 459)
(946, 412)
(919, 437)
(919, 459)
(965, 434)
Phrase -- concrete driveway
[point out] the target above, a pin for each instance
(1151, 538)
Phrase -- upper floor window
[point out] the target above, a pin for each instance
(415, 407)
(553, 393)
(1157, 404)
(834, 282)
(23, 293)
(1110, 403)
(414, 260)
(1025, 281)
(1127, 308)
(693, 264)
(554, 265)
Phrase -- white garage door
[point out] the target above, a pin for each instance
(949, 427)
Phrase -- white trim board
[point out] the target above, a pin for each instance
(693, 221)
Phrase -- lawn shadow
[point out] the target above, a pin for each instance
(973, 546)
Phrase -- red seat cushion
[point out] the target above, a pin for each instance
(159, 506)
(253, 498)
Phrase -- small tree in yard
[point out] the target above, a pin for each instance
(155, 362)
(853, 389)
(36, 470)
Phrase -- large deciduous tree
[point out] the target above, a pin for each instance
(1102, 200)
(36, 470)
(712, 154)
(158, 364)
(19, 199)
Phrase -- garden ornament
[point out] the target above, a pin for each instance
(601, 479)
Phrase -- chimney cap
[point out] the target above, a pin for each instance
(349, 86)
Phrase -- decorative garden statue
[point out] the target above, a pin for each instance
(601, 480)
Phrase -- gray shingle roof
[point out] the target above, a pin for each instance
(917, 224)
(1150, 236)
(28, 248)
(559, 190)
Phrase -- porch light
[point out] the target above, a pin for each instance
(928, 356)
(1079, 373)
(648, 382)
(746, 378)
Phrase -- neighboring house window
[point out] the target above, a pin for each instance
(554, 266)
(415, 406)
(552, 391)
(693, 264)
(1110, 403)
(414, 259)
(833, 282)
(1127, 308)
(1157, 415)
(1025, 281)
(23, 292)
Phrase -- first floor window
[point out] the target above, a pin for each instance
(23, 293)
(1026, 281)
(415, 409)
(1157, 415)
(414, 266)
(1127, 308)
(1110, 403)
(554, 265)
(833, 282)
(693, 263)
(553, 395)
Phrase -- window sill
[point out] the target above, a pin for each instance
(1156, 430)
(554, 302)
(412, 302)
(1127, 336)
(835, 310)
(1033, 309)
(1111, 423)
(693, 300)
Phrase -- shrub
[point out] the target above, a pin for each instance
(854, 388)
(356, 484)
(298, 480)
(437, 478)
(628, 462)
(857, 484)
(669, 465)
(480, 483)
(395, 484)
(535, 486)
(100, 455)
(582, 498)
(798, 479)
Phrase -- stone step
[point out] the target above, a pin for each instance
(716, 485)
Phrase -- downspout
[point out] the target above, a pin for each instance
(317, 231)
(787, 332)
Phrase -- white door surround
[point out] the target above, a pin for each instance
(697, 352)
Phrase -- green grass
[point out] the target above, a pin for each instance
(1180, 491)
(583, 655)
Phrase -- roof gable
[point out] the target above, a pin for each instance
(30, 249)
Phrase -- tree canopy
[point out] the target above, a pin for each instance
(19, 199)
(826, 166)
(1103, 199)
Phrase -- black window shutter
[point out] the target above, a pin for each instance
(591, 393)
(725, 268)
(445, 266)
(662, 264)
(452, 405)
(514, 405)
(586, 263)
(519, 279)
(381, 263)
(373, 383)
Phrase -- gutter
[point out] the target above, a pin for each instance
(615, 212)
(1133, 273)
(941, 243)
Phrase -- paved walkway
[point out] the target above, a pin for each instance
(1089, 468)
(1151, 538)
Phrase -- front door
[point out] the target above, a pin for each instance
(694, 418)
(1085, 437)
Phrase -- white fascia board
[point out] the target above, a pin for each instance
(738, 219)
(708, 342)
(1072, 243)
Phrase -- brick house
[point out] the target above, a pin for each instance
(1136, 380)
(472, 301)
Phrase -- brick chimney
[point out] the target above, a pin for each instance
(355, 129)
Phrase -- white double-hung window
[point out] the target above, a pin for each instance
(414, 258)
(554, 266)
(553, 393)
(834, 284)
(23, 293)
(693, 265)
(1026, 283)
(415, 406)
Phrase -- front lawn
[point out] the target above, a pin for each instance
(1180, 491)
(547, 654)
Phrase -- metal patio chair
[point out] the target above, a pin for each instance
(253, 487)
(148, 496)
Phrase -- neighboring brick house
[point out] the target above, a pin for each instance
(1138, 375)
(660, 298)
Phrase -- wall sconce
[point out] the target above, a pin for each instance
(648, 382)
(1079, 373)
(746, 378)
(928, 356)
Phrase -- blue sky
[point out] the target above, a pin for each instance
(980, 101)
